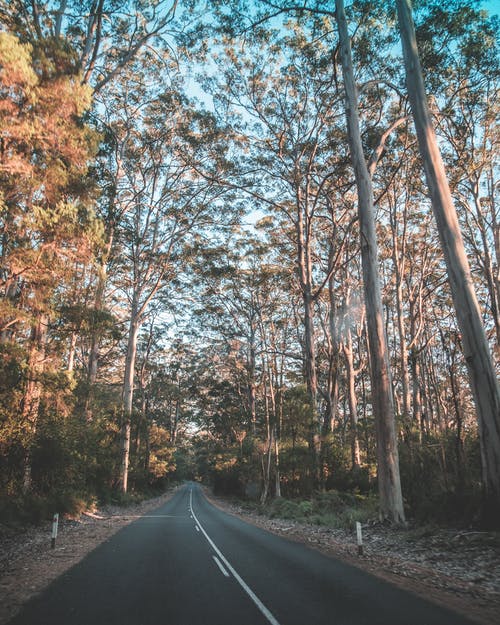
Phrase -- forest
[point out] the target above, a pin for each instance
(254, 243)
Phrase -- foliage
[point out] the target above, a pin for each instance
(331, 508)
(449, 494)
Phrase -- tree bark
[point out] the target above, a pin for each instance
(391, 500)
(252, 387)
(266, 456)
(59, 18)
(353, 403)
(399, 261)
(96, 331)
(277, 476)
(128, 395)
(414, 358)
(483, 380)
(486, 260)
(334, 357)
(305, 278)
(72, 351)
(495, 226)
(33, 390)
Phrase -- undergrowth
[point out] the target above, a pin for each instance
(33, 509)
(333, 509)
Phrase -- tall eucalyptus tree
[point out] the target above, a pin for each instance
(166, 205)
(482, 374)
(391, 499)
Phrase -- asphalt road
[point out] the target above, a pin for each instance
(189, 563)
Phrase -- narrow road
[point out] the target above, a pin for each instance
(189, 563)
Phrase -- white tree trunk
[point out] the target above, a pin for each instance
(277, 476)
(391, 500)
(72, 351)
(128, 396)
(483, 380)
(353, 404)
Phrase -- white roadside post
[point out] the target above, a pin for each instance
(55, 524)
(359, 536)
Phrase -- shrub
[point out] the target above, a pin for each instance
(284, 509)
(305, 508)
(332, 508)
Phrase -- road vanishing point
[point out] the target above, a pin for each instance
(189, 563)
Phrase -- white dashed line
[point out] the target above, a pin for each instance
(218, 563)
(269, 616)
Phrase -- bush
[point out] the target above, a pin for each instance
(305, 508)
(445, 496)
(35, 508)
(119, 498)
(284, 509)
(333, 509)
(343, 509)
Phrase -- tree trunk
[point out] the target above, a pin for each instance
(33, 390)
(415, 368)
(304, 263)
(252, 387)
(266, 457)
(93, 360)
(391, 500)
(353, 404)
(72, 351)
(486, 262)
(333, 373)
(483, 380)
(399, 260)
(277, 476)
(128, 396)
(310, 363)
(177, 416)
(459, 447)
(278, 428)
(495, 226)
(96, 330)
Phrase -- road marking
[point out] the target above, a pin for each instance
(219, 564)
(269, 616)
